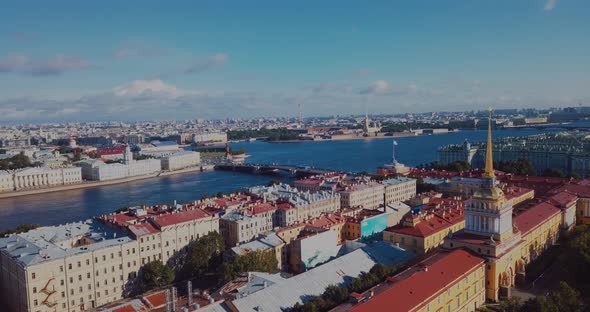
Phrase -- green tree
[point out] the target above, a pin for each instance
(518, 167)
(537, 304)
(553, 172)
(156, 274)
(260, 260)
(576, 259)
(458, 165)
(21, 228)
(511, 304)
(204, 254)
(566, 298)
(274, 182)
(15, 162)
(335, 294)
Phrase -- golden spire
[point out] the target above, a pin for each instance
(489, 159)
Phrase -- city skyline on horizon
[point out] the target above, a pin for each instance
(216, 60)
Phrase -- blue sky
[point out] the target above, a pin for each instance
(131, 60)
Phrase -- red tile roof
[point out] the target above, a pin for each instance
(326, 221)
(285, 206)
(426, 227)
(535, 216)
(581, 190)
(415, 291)
(112, 150)
(141, 229)
(511, 192)
(125, 308)
(180, 217)
(563, 199)
(155, 300)
(261, 208)
(309, 182)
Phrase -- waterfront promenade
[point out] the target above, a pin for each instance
(88, 184)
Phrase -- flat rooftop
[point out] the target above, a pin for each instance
(57, 242)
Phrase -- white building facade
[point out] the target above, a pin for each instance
(41, 177)
(399, 189)
(369, 195)
(181, 160)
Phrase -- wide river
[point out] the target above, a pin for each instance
(356, 155)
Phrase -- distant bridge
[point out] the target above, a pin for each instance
(565, 126)
(297, 171)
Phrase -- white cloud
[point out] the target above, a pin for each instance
(53, 66)
(207, 63)
(137, 49)
(160, 100)
(549, 5)
(142, 87)
(378, 87)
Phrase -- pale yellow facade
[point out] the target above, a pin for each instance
(421, 244)
(583, 210)
(464, 295)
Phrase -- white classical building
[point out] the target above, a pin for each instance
(215, 136)
(97, 170)
(181, 160)
(6, 181)
(39, 177)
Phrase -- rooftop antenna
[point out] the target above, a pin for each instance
(300, 112)
(190, 293)
(174, 294)
(168, 303)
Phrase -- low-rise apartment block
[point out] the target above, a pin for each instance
(367, 194)
(83, 265)
(399, 189)
(244, 225)
(74, 267)
(296, 206)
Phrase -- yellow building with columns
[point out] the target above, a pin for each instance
(491, 232)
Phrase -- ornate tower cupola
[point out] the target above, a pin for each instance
(488, 213)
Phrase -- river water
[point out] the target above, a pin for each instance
(354, 155)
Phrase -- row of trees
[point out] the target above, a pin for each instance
(406, 126)
(573, 256)
(16, 162)
(19, 229)
(280, 134)
(261, 261)
(517, 167)
(335, 294)
(204, 258)
(458, 165)
(564, 299)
